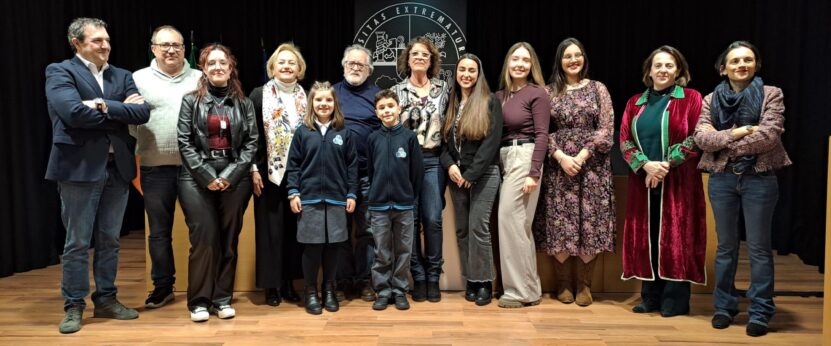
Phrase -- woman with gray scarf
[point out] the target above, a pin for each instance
(740, 132)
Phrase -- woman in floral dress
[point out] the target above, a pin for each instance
(576, 213)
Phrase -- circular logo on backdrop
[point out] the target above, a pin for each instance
(387, 32)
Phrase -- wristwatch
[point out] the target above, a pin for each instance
(749, 128)
(99, 103)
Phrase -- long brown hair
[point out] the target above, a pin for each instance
(337, 115)
(474, 121)
(558, 76)
(534, 76)
(234, 85)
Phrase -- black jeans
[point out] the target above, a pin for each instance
(160, 186)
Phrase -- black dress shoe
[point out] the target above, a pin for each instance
(670, 308)
(312, 301)
(645, 307)
(272, 297)
(330, 299)
(288, 293)
(367, 293)
(401, 302)
(484, 294)
(756, 329)
(470, 291)
(720, 321)
(670, 313)
(381, 303)
(433, 292)
(419, 292)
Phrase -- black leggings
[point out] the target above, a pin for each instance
(316, 254)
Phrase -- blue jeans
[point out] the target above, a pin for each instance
(91, 209)
(160, 185)
(427, 266)
(755, 195)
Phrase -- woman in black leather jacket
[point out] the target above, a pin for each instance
(217, 140)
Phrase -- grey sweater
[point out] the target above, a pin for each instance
(157, 144)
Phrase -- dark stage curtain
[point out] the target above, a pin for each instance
(793, 37)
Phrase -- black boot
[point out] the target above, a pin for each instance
(272, 297)
(484, 294)
(330, 298)
(433, 291)
(470, 291)
(419, 291)
(312, 301)
(288, 293)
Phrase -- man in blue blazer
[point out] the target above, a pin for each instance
(90, 104)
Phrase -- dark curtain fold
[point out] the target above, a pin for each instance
(793, 37)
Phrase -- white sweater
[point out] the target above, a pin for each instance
(157, 144)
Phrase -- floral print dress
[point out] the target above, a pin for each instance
(576, 215)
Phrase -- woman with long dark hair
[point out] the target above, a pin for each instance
(473, 129)
(575, 218)
(217, 140)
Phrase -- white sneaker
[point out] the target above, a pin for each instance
(199, 314)
(224, 311)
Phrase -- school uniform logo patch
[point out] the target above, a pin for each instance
(401, 153)
(338, 140)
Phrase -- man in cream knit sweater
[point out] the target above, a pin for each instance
(163, 84)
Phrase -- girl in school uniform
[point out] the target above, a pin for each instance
(322, 187)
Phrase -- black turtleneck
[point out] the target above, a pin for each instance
(218, 92)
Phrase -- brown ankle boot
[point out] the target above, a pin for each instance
(584, 273)
(562, 273)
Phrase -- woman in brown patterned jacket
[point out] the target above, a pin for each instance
(740, 132)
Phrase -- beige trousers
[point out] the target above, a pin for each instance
(518, 256)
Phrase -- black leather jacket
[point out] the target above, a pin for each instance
(193, 139)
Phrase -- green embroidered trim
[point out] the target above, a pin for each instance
(678, 153)
(633, 156)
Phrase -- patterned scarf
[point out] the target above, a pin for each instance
(730, 108)
(277, 127)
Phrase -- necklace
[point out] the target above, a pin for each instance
(419, 86)
(457, 142)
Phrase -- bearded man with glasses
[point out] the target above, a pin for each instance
(356, 97)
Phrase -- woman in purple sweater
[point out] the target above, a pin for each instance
(525, 109)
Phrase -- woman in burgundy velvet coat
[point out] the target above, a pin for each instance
(664, 238)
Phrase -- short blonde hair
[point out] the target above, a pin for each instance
(288, 46)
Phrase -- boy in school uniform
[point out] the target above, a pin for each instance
(395, 169)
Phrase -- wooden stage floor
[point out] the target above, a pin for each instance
(31, 308)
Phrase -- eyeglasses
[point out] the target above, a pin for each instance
(166, 46)
(424, 55)
(355, 65)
